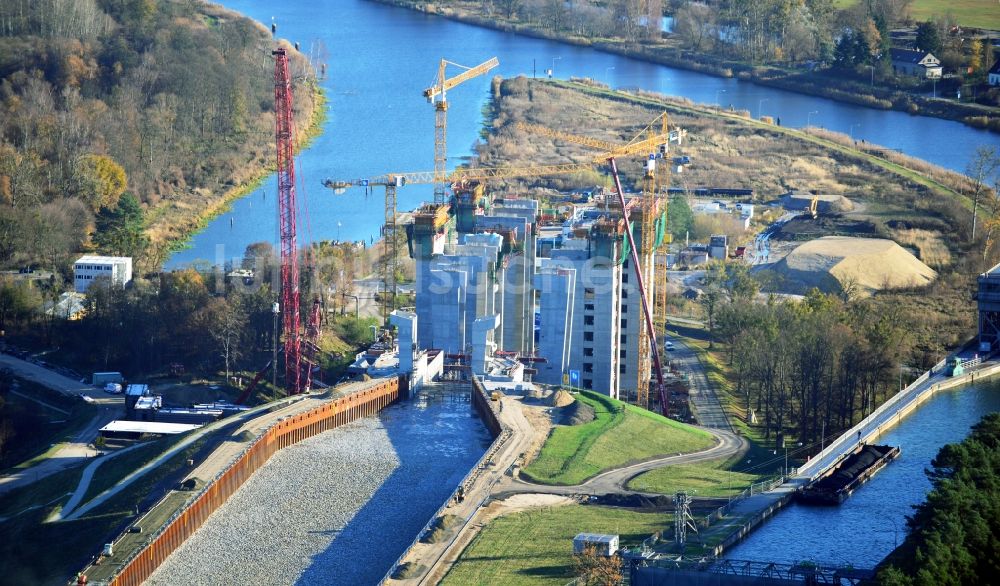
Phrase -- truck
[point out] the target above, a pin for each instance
(100, 379)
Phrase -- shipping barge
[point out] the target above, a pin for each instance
(833, 487)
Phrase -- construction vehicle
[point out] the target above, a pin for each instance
(437, 95)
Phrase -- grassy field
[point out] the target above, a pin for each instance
(975, 13)
(41, 431)
(619, 434)
(703, 479)
(536, 547)
(49, 553)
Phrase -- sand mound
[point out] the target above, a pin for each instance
(826, 203)
(835, 263)
(561, 398)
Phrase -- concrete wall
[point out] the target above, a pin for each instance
(556, 289)
(670, 577)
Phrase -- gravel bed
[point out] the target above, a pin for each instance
(338, 508)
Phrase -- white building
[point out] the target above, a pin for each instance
(111, 269)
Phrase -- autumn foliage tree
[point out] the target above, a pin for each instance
(594, 569)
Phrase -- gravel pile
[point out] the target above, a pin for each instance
(338, 508)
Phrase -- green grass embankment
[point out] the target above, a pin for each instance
(618, 435)
(536, 547)
(703, 479)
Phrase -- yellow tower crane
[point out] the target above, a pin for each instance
(393, 181)
(652, 140)
(437, 95)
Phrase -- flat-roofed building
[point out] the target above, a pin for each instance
(90, 269)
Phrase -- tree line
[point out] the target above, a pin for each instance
(955, 534)
(809, 368)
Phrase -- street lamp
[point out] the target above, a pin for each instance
(607, 74)
(717, 92)
(809, 116)
(551, 71)
(357, 305)
(760, 104)
(852, 129)
(338, 231)
(799, 444)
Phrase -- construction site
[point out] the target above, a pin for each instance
(538, 310)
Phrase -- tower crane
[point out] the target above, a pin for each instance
(437, 95)
(393, 181)
(299, 346)
(657, 135)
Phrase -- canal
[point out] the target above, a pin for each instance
(380, 58)
(864, 529)
(339, 507)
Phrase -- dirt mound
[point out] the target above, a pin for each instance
(561, 398)
(835, 264)
(576, 413)
(633, 501)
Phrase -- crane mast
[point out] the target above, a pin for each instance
(646, 310)
(437, 95)
(284, 138)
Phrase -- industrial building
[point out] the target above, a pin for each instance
(988, 301)
(89, 269)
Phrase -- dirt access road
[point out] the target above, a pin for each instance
(78, 449)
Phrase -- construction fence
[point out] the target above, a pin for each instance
(280, 435)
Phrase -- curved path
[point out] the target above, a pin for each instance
(616, 479)
(70, 511)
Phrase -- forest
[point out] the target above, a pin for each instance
(806, 369)
(123, 121)
(953, 536)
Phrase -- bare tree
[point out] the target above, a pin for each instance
(227, 331)
(982, 167)
(695, 24)
(593, 569)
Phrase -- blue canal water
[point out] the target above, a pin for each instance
(380, 58)
(864, 529)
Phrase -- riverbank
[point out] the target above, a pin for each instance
(171, 224)
(808, 83)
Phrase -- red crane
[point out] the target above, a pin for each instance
(285, 137)
(647, 314)
(299, 351)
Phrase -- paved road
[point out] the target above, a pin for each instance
(707, 407)
(616, 480)
(76, 450)
(70, 454)
(255, 421)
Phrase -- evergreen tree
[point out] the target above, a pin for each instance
(120, 231)
(928, 38)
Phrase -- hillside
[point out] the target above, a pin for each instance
(620, 434)
(167, 101)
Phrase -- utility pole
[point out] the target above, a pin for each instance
(275, 310)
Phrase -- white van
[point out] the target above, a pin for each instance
(669, 346)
